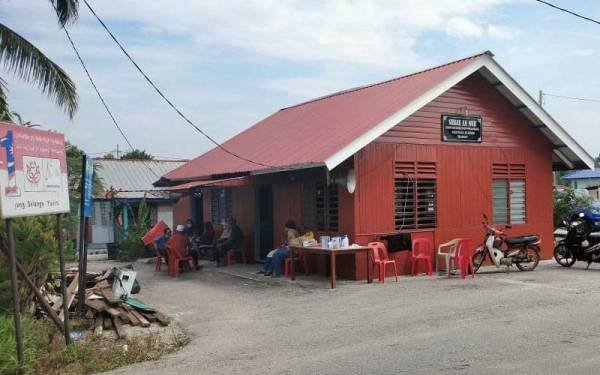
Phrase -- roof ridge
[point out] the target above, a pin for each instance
(342, 92)
(144, 160)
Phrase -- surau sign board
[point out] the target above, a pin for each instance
(459, 128)
(33, 172)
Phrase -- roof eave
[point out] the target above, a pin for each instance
(484, 61)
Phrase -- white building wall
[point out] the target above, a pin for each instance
(164, 212)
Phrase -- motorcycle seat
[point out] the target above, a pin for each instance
(520, 240)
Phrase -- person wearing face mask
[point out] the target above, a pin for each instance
(232, 241)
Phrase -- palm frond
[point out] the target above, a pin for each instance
(66, 10)
(5, 114)
(31, 65)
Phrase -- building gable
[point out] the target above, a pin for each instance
(503, 125)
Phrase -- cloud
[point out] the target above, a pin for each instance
(501, 32)
(463, 28)
(229, 64)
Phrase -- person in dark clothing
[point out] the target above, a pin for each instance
(190, 228)
(201, 244)
(234, 241)
(160, 244)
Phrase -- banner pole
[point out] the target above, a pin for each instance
(82, 257)
(63, 279)
(15, 291)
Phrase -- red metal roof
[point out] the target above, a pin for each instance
(235, 181)
(310, 132)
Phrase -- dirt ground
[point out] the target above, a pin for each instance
(541, 322)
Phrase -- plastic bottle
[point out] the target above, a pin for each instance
(345, 241)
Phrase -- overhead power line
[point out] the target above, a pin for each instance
(568, 11)
(571, 98)
(87, 72)
(160, 93)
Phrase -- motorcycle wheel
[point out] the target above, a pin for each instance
(534, 257)
(564, 256)
(478, 258)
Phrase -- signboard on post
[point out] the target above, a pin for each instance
(33, 172)
(459, 128)
(87, 186)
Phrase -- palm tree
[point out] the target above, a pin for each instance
(27, 62)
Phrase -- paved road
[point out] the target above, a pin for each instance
(541, 322)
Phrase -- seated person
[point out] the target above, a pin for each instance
(179, 243)
(190, 229)
(160, 244)
(232, 241)
(276, 258)
(201, 244)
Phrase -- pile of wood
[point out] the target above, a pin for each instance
(112, 313)
(101, 305)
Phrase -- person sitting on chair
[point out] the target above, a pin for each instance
(179, 242)
(233, 241)
(201, 244)
(276, 258)
(160, 244)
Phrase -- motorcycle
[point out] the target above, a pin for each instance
(522, 251)
(581, 242)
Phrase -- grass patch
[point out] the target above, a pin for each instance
(46, 354)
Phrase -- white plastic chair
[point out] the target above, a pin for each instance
(447, 250)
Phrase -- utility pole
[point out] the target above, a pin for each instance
(541, 98)
(119, 157)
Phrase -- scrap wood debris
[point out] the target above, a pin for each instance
(107, 300)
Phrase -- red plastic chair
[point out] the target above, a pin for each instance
(380, 258)
(422, 248)
(175, 260)
(299, 258)
(157, 263)
(231, 256)
(464, 257)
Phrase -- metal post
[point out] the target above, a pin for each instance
(82, 257)
(15, 290)
(541, 98)
(63, 279)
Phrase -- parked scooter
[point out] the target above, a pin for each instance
(581, 242)
(522, 251)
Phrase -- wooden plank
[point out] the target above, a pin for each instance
(132, 318)
(123, 315)
(107, 323)
(71, 292)
(114, 313)
(149, 316)
(118, 327)
(98, 325)
(97, 304)
(109, 296)
(162, 318)
(143, 321)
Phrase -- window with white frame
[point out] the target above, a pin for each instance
(508, 193)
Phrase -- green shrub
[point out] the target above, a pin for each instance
(37, 251)
(36, 335)
(565, 202)
(131, 247)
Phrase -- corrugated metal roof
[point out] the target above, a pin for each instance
(133, 178)
(309, 133)
(585, 173)
(235, 181)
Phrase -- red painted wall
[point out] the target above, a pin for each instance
(182, 210)
(464, 177)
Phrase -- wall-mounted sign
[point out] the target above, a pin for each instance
(88, 179)
(33, 172)
(459, 128)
